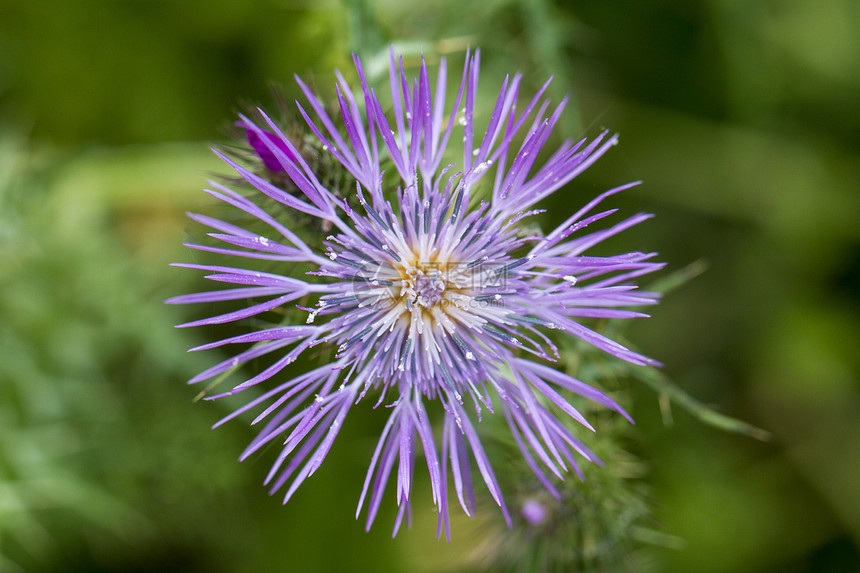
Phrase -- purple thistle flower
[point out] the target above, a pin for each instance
(427, 293)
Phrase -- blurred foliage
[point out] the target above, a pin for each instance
(604, 520)
(741, 118)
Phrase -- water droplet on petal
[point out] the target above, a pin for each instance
(482, 167)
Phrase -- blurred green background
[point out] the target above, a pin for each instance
(742, 119)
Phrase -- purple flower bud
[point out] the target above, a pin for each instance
(263, 143)
(534, 512)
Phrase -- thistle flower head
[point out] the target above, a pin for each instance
(428, 289)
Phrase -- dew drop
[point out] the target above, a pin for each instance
(481, 167)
